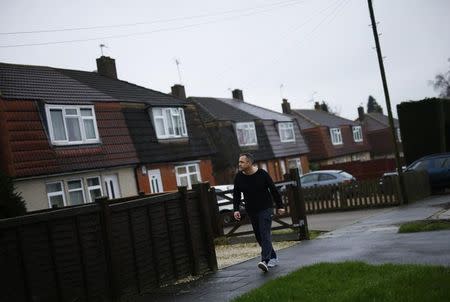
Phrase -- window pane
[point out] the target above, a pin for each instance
(71, 112)
(76, 197)
(240, 135)
(193, 168)
(159, 124)
(54, 187)
(168, 118)
(73, 129)
(184, 181)
(194, 179)
(181, 170)
(89, 129)
(177, 124)
(86, 112)
(57, 201)
(57, 124)
(183, 122)
(93, 181)
(74, 184)
(95, 193)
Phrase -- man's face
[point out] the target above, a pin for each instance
(244, 163)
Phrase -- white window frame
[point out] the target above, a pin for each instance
(357, 134)
(249, 129)
(166, 114)
(81, 120)
(75, 190)
(283, 129)
(89, 188)
(282, 167)
(188, 174)
(336, 136)
(59, 193)
(298, 164)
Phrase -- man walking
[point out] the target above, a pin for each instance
(258, 189)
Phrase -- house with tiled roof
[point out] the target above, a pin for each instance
(236, 126)
(69, 136)
(331, 139)
(379, 133)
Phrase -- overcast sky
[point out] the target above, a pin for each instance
(314, 49)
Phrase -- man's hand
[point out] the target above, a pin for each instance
(280, 211)
(237, 215)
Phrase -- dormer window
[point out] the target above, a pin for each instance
(336, 136)
(71, 125)
(246, 134)
(357, 134)
(169, 123)
(286, 131)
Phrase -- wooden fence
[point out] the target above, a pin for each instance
(358, 195)
(106, 251)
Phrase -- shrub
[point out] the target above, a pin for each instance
(11, 203)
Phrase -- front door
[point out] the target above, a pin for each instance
(154, 177)
(112, 186)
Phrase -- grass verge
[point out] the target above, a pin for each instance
(424, 226)
(357, 281)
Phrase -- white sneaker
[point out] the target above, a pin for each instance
(263, 266)
(273, 262)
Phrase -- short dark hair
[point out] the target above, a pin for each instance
(249, 156)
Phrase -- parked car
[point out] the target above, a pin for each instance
(437, 167)
(326, 177)
(226, 205)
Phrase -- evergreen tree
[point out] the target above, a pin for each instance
(11, 203)
(373, 106)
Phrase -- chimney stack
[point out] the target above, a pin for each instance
(361, 113)
(238, 95)
(179, 91)
(106, 66)
(286, 106)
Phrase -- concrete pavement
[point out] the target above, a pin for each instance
(373, 239)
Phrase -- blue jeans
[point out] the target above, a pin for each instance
(262, 224)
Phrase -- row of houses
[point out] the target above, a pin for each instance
(69, 136)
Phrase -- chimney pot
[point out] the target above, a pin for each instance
(286, 107)
(179, 91)
(238, 95)
(106, 66)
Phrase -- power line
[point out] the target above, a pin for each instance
(143, 33)
(330, 17)
(281, 3)
(296, 28)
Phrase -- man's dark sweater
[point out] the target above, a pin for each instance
(257, 189)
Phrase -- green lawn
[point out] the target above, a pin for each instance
(357, 281)
(424, 226)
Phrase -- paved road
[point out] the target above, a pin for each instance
(373, 239)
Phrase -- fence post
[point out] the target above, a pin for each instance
(106, 223)
(300, 207)
(216, 220)
(204, 205)
(194, 253)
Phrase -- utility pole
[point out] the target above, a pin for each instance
(403, 195)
